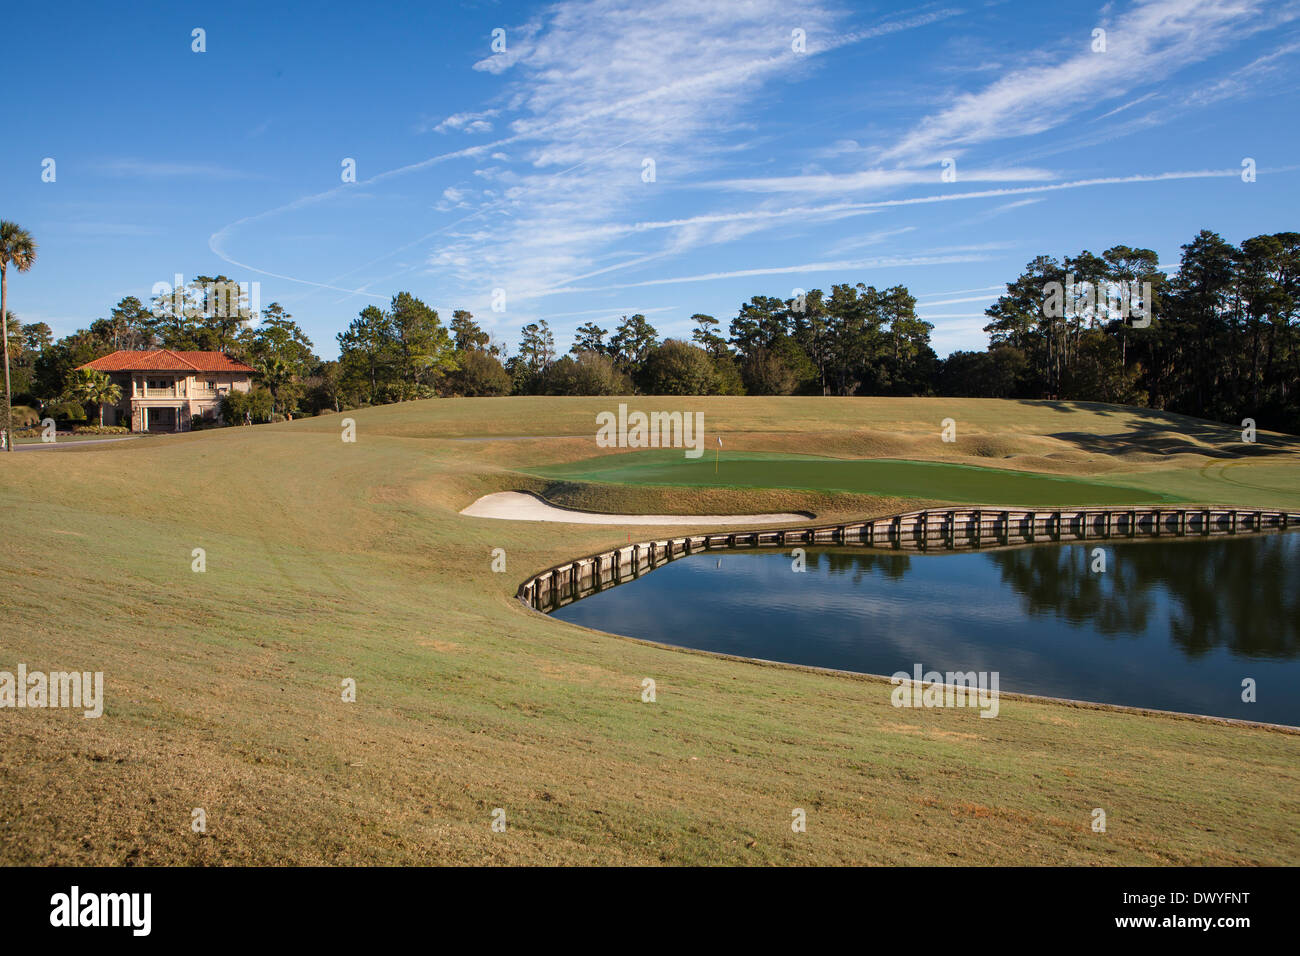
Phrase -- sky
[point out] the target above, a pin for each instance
(588, 159)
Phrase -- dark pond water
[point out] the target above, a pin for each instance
(1174, 625)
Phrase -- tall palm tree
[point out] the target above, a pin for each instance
(276, 373)
(86, 385)
(17, 248)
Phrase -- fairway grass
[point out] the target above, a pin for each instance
(327, 561)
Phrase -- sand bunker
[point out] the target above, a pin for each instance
(517, 506)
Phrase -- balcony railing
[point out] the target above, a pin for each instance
(160, 393)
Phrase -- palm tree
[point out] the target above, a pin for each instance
(86, 385)
(17, 247)
(276, 373)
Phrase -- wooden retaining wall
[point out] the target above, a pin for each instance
(945, 529)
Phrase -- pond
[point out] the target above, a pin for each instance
(1169, 624)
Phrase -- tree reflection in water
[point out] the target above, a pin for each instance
(1241, 594)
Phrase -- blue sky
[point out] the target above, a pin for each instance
(524, 170)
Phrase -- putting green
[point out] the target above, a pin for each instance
(877, 476)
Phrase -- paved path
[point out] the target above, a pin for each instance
(36, 446)
(517, 506)
(513, 437)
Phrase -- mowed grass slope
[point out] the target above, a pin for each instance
(328, 560)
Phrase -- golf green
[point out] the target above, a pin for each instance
(886, 477)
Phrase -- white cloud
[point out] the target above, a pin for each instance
(518, 45)
(467, 122)
(835, 184)
(986, 288)
(603, 85)
(154, 169)
(937, 257)
(1146, 45)
(1242, 81)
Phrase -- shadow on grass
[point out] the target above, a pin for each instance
(1167, 433)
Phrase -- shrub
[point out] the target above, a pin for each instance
(25, 415)
(989, 374)
(766, 372)
(678, 368)
(66, 412)
(257, 403)
(729, 380)
(587, 373)
(478, 374)
(100, 430)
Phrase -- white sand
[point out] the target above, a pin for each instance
(517, 506)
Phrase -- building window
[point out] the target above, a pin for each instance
(212, 386)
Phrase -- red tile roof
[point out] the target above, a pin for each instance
(167, 360)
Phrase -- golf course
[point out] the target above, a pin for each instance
(326, 561)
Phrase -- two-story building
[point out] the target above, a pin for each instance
(163, 389)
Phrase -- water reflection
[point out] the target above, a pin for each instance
(1173, 624)
(1222, 588)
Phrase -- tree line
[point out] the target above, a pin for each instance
(1219, 338)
